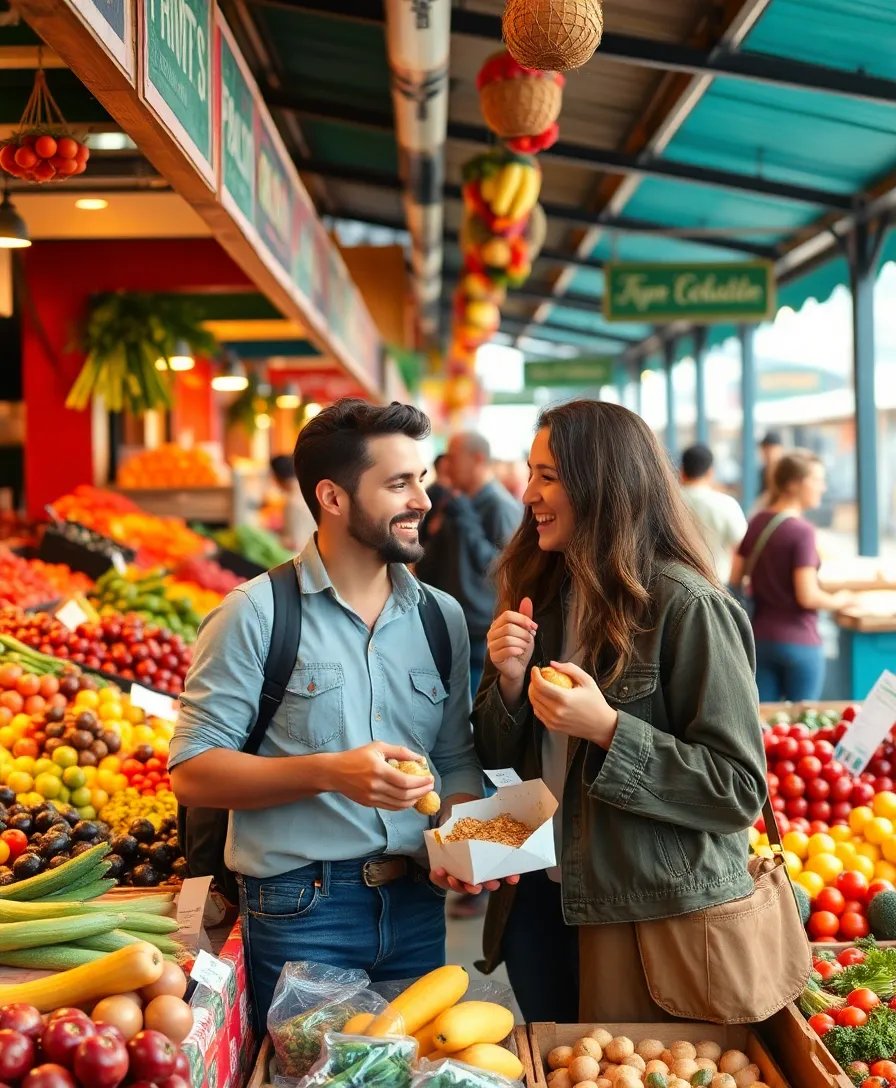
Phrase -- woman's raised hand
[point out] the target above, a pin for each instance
(511, 642)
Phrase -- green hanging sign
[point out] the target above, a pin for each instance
(238, 123)
(654, 293)
(571, 373)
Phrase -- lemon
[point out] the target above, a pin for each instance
(812, 882)
(863, 865)
(877, 829)
(828, 866)
(821, 844)
(796, 842)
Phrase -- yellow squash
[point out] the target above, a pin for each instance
(472, 1022)
(358, 1024)
(489, 1056)
(421, 1002)
(425, 1037)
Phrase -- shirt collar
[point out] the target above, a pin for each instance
(315, 579)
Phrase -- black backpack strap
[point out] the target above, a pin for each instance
(436, 630)
(286, 635)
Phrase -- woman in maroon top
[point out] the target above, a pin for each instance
(784, 584)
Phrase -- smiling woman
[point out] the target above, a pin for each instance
(654, 750)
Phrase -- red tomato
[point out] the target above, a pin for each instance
(816, 788)
(823, 923)
(849, 715)
(853, 926)
(17, 841)
(824, 750)
(863, 998)
(849, 956)
(854, 885)
(788, 747)
(827, 969)
(851, 1017)
(130, 767)
(792, 786)
(885, 1069)
(800, 730)
(830, 772)
(806, 749)
(830, 899)
(796, 807)
(853, 906)
(821, 1023)
(878, 886)
(819, 812)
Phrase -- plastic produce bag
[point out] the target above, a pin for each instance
(310, 1000)
(355, 1061)
(448, 1073)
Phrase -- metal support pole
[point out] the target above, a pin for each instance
(864, 252)
(749, 485)
(700, 393)
(671, 427)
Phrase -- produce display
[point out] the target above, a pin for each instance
(31, 582)
(123, 646)
(601, 1059)
(147, 596)
(168, 466)
(207, 574)
(157, 541)
(257, 545)
(850, 1003)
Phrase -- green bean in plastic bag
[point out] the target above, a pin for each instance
(355, 1061)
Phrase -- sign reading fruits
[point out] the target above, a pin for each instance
(237, 131)
(273, 211)
(727, 291)
(178, 64)
(872, 723)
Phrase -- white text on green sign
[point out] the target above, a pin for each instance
(237, 132)
(570, 372)
(742, 291)
(179, 53)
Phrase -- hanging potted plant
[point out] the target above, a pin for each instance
(128, 340)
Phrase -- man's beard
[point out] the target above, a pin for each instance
(378, 535)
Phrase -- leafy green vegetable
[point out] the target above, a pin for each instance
(814, 999)
(870, 1043)
(877, 973)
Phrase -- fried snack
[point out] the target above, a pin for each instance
(560, 679)
(503, 829)
(431, 803)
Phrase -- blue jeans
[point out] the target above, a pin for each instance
(478, 650)
(325, 913)
(789, 672)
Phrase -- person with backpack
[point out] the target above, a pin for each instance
(305, 682)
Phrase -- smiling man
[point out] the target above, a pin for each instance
(323, 834)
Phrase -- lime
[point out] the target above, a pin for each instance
(65, 795)
(87, 812)
(44, 766)
(74, 777)
(66, 756)
(25, 763)
(80, 797)
(48, 786)
(20, 782)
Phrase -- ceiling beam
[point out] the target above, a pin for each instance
(565, 212)
(647, 53)
(605, 161)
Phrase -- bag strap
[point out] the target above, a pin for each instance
(286, 635)
(764, 537)
(436, 630)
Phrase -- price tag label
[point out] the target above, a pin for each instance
(71, 615)
(211, 972)
(154, 704)
(506, 777)
(118, 562)
(872, 723)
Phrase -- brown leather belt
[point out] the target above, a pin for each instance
(382, 871)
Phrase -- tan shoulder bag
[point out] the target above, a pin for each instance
(735, 963)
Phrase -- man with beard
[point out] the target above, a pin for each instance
(323, 833)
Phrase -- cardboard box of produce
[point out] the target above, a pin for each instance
(474, 861)
(543, 1038)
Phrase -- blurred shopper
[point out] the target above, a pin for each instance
(779, 557)
(655, 754)
(298, 523)
(439, 493)
(771, 450)
(328, 850)
(720, 519)
(475, 525)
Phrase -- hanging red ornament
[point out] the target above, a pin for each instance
(43, 149)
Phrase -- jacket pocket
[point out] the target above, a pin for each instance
(315, 714)
(428, 697)
(634, 690)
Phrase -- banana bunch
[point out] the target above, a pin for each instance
(512, 191)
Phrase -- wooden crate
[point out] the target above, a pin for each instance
(803, 1056)
(524, 1053)
(262, 1072)
(544, 1037)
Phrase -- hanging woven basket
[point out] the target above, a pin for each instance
(557, 35)
(43, 148)
(518, 101)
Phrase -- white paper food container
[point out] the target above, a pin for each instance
(472, 861)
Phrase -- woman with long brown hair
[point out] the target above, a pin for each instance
(655, 753)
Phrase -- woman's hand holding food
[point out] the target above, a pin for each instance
(511, 643)
(579, 710)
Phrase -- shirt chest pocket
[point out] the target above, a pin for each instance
(428, 697)
(635, 690)
(315, 705)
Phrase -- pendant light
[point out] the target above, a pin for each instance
(289, 398)
(232, 378)
(13, 232)
(182, 359)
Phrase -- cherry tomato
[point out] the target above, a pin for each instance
(884, 1069)
(17, 841)
(853, 926)
(850, 956)
(863, 998)
(821, 1023)
(853, 884)
(878, 886)
(851, 1017)
(827, 969)
(823, 923)
(832, 900)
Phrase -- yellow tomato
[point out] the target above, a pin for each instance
(884, 804)
(888, 846)
(143, 734)
(793, 863)
(869, 850)
(134, 714)
(753, 836)
(797, 843)
(109, 712)
(24, 763)
(863, 865)
(100, 798)
(105, 780)
(87, 698)
(878, 829)
(846, 852)
(859, 817)
(885, 870)
(20, 721)
(109, 695)
(828, 866)
(90, 774)
(840, 833)
(110, 763)
(765, 852)
(812, 882)
(121, 783)
(821, 844)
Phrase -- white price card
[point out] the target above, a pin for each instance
(505, 777)
(153, 703)
(211, 972)
(71, 615)
(872, 723)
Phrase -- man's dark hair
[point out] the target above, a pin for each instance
(333, 445)
(439, 461)
(696, 461)
(772, 438)
(282, 468)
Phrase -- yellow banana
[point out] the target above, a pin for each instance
(527, 195)
(487, 188)
(509, 182)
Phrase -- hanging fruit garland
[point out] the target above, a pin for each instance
(556, 35)
(43, 149)
(505, 260)
(521, 105)
(502, 187)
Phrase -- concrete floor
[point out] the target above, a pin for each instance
(465, 947)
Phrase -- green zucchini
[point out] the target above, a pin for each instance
(56, 957)
(15, 936)
(67, 876)
(83, 891)
(151, 923)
